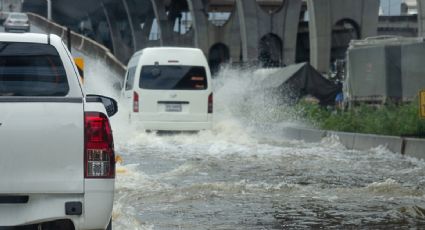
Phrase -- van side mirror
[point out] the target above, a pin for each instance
(111, 106)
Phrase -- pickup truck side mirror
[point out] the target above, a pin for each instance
(110, 104)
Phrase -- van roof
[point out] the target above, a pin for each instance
(183, 55)
(166, 48)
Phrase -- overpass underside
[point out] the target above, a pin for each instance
(266, 32)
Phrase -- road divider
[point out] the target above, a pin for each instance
(81, 43)
(413, 147)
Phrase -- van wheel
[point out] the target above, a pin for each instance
(109, 225)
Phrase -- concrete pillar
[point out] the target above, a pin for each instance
(247, 12)
(292, 10)
(120, 49)
(370, 18)
(421, 18)
(320, 33)
(256, 23)
(135, 14)
(165, 26)
(230, 35)
(324, 14)
(146, 31)
(200, 24)
(130, 22)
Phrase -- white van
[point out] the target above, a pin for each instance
(169, 88)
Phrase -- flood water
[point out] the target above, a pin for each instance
(243, 175)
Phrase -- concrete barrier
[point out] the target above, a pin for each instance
(312, 135)
(290, 133)
(347, 139)
(368, 141)
(414, 148)
(81, 43)
(407, 146)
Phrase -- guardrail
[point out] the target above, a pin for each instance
(413, 147)
(81, 43)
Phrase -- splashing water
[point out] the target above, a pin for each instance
(242, 175)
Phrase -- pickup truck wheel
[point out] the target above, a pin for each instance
(109, 225)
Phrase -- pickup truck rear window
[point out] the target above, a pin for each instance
(173, 77)
(31, 69)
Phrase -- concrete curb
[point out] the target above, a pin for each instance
(412, 147)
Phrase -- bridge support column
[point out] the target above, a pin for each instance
(290, 14)
(255, 23)
(121, 50)
(200, 24)
(324, 14)
(165, 26)
(135, 36)
(207, 35)
(421, 18)
(247, 11)
(146, 30)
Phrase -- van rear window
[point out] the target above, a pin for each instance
(31, 69)
(172, 77)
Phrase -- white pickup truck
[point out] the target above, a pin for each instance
(57, 163)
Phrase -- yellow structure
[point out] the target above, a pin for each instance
(79, 62)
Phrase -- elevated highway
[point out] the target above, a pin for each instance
(264, 32)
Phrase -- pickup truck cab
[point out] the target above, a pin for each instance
(57, 164)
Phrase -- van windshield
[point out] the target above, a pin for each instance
(31, 69)
(172, 77)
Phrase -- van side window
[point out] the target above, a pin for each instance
(130, 78)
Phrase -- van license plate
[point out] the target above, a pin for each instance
(173, 107)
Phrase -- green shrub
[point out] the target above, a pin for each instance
(396, 120)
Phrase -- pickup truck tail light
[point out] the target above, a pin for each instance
(99, 155)
(135, 102)
(210, 103)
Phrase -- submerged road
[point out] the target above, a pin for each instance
(242, 175)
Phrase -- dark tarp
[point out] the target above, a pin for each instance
(295, 81)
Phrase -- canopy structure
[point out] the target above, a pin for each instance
(295, 81)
